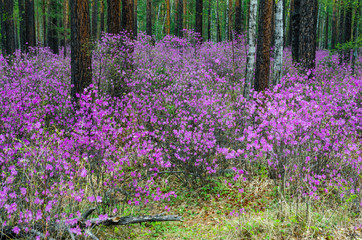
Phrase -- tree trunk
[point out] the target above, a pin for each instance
(179, 23)
(102, 16)
(295, 30)
(149, 18)
(290, 30)
(135, 27)
(262, 70)
(113, 16)
(94, 19)
(307, 41)
(199, 10)
(227, 27)
(341, 30)
(273, 24)
(347, 31)
(249, 82)
(355, 35)
(8, 25)
(81, 72)
(278, 51)
(44, 23)
(218, 29)
(238, 20)
(52, 30)
(128, 17)
(230, 16)
(326, 30)
(209, 22)
(66, 26)
(168, 17)
(22, 24)
(30, 23)
(334, 26)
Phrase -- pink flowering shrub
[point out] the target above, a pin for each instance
(183, 112)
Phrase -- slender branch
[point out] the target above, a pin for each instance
(91, 235)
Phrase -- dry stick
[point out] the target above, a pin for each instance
(91, 235)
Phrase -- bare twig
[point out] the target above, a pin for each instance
(91, 235)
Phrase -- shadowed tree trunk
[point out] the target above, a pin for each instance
(81, 67)
(7, 24)
(102, 16)
(308, 33)
(128, 17)
(326, 30)
(30, 23)
(135, 27)
(209, 22)
(238, 19)
(290, 30)
(179, 22)
(66, 25)
(43, 3)
(262, 70)
(113, 16)
(295, 30)
(355, 35)
(218, 28)
(149, 18)
(251, 48)
(199, 9)
(341, 29)
(52, 29)
(22, 24)
(230, 17)
(334, 25)
(94, 18)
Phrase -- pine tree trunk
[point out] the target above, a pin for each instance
(94, 19)
(66, 25)
(334, 25)
(179, 23)
(102, 16)
(326, 31)
(230, 16)
(128, 16)
(249, 82)
(341, 30)
(114, 16)
(149, 18)
(295, 30)
(44, 23)
(238, 20)
(168, 17)
(278, 51)
(199, 10)
(81, 72)
(52, 30)
(8, 25)
(262, 70)
(22, 24)
(347, 31)
(227, 27)
(209, 22)
(355, 35)
(135, 27)
(307, 41)
(218, 29)
(30, 23)
(290, 30)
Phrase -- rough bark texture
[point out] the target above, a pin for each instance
(29, 23)
(218, 28)
(128, 16)
(66, 25)
(326, 31)
(334, 25)
(43, 3)
(168, 17)
(149, 18)
(209, 22)
(295, 30)
(307, 41)
(199, 9)
(114, 16)
(22, 24)
(251, 49)
(347, 31)
(8, 25)
(94, 19)
(278, 51)
(238, 19)
(53, 41)
(81, 72)
(262, 69)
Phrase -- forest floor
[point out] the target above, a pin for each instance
(209, 213)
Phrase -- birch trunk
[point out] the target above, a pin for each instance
(279, 34)
(249, 80)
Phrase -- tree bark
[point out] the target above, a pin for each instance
(128, 17)
(326, 30)
(52, 29)
(44, 23)
(334, 25)
(149, 18)
(249, 82)
(179, 22)
(218, 29)
(114, 16)
(8, 25)
(355, 36)
(230, 16)
(30, 23)
(81, 67)
(262, 70)
(307, 41)
(66, 25)
(135, 27)
(22, 24)
(347, 31)
(295, 16)
(341, 29)
(199, 10)
(209, 22)
(227, 27)
(168, 17)
(102, 16)
(94, 19)
(279, 37)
